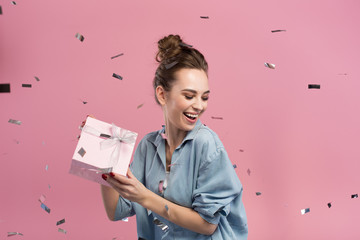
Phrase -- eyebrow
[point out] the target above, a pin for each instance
(193, 91)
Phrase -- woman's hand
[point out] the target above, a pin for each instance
(128, 187)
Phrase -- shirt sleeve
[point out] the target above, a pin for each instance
(217, 186)
(124, 207)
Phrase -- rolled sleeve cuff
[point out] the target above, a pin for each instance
(123, 209)
(212, 214)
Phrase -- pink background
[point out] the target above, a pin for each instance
(301, 145)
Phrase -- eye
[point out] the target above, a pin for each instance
(188, 97)
(205, 98)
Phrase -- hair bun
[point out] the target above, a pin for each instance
(169, 47)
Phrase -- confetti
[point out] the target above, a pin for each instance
(240, 150)
(62, 230)
(37, 79)
(234, 166)
(43, 206)
(15, 121)
(258, 193)
(170, 65)
(125, 219)
(354, 195)
(26, 85)
(161, 225)
(13, 2)
(49, 186)
(329, 205)
(342, 74)
(185, 45)
(14, 233)
(306, 210)
(166, 207)
(314, 86)
(0, 10)
(17, 142)
(140, 106)
(46, 167)
(117, 76)
(5, 88)
(42, 198)
(204, 17)
(60, 222)
(105, 135)
(248, 172)
(80, 37)
(275, 31)
(220, 118)
(82, 152)
(117, 55)
(269, 65)
(84, 102)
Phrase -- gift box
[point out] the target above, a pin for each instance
(102, 148)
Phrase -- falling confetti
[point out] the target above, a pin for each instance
(80, 37)
(37, 79)
(46, 167)
(204, 17)
(240, 150)
(220, 118)
(26, 85)
(329, 205)
(234, 166)
(13, 2)
(117, 55)
(258, 193)
(314, 86)
(117, 76)
(5, 88)
(0, 10)
(15, 121)
(125, 220)
(269, 65)
(248, 172)
(62, 230)
(170, 65)
(161, 225)
(49, 186)
(185, 45)
(14, 233)
(306, 210)
(105, 135)
(42, 198)
(342, 74)
(82, 152)
(60, 222)
(275, 31)
(140, 106)
(354, 195)
(43, 206)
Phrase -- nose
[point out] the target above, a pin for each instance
(199, 105)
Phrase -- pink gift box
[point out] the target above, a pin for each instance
(102, 148)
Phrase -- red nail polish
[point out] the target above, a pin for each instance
(104, 176)
(112, 174)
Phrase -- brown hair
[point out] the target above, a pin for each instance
(172, 56)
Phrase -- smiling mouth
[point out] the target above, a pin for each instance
(191, 116)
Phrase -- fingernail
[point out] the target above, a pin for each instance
(112, 174)
(104, 176)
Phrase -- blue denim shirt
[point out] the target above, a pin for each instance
(201, 177)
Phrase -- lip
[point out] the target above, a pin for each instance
(191, 120)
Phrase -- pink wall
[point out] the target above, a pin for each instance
(301, 145)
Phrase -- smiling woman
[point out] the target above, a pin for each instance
(182, 184)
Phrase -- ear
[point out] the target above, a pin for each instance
(160, 95)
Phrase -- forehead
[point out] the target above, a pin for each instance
(191, 79)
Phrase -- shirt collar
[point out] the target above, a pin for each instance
(189, 136)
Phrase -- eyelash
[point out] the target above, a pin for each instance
(190, 97)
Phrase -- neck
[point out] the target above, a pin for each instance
(174, 135)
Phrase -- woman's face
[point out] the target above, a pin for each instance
(187, 99)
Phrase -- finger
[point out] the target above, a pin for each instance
(130, 174)
(120, 178)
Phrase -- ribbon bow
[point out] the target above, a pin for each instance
(118, 136)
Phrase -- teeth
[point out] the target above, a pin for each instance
(191, 115)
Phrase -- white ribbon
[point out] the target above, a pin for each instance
(118, 136)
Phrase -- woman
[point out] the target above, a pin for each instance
(182, 184)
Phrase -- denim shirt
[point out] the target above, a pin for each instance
(201, 177)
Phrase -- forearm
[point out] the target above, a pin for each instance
(110, 199)
(182, 216)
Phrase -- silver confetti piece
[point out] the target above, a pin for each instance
(15, 121)
(26, 85)
(43, 206)
(0, 10)
(240, 150)
(117, 76)
(170, 65)
(269, 65)
(42, 198)
(37, 79)
(125, 219)
(161, 225)
(185, 45)
(354, 195)
(204, 17)
(258, 193)
(234, 166)
(13, 2)
(275, 31)
(60, 222)
(306, 210)
(329, 205)
(82, 152)
(220, 118)
(117, 55)
(14, 233)
(46, 167)
(314, 86)
(62, 230)
(5, 87)
(80, 37)
(140, 106)
(248, 171)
